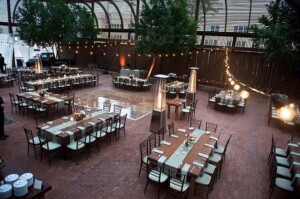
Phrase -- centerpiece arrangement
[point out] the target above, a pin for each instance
(42, 92)
(189, 140)
(131, 76)
(79, 116)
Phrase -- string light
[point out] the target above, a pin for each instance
(245, 93)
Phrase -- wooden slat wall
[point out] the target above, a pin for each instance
(249, 67)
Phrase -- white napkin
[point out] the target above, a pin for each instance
(203, 155)
(166, 142)
(174, 136)
(182, 130)
(292, 144)
(66, 117)
(209, 145)
(158, 151)
(101, 119)
(92, 123)
(295, 153)
(198, 163)
(69, 132)
(50, 122)
(207, 132)
(57, 132)
(213, 138)
(162, 159)
(81, 127)
(185, 169)
(88, 109)
(45, 127)
(191, 128)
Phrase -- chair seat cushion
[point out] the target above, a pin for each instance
(176, 185)
(145, 159)
(215, 158)
(210, 169)
(52, 146)
(203, 179)
(284, 171)
(90, 139)
(118, 125)
(73, 145)
(100, 134)
(284, 184)
(280, 152)
(282, 161)
(153, 175)
(34, 141)
(185, 110)
(220, 149)
(110, 129)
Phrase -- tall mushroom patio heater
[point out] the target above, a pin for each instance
(158, 119)
(192, 87)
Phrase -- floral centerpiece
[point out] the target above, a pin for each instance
(79, 116)
(131, 76)
(42, 92)
(189, 140)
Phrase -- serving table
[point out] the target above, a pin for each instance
(176, 155)
(177, 103)
(33, 193)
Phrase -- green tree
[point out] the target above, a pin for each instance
(165, 27)
(54, 23)
(279, 34)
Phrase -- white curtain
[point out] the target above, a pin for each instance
(6, 48)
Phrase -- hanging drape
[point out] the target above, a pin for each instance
(6, 48)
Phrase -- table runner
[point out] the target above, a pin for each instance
(181, 152)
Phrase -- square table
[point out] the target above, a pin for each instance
(177, 103)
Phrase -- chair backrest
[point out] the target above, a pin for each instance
(154, 170)
(161, 134)
(171, 128)
(78, 107)
(12, 98)
(40, 118)
(117, 109)
(177, 180)
(225, 148)
(211, 127)
(152, 141)
(195, 123)
(28, 134)
(123, 119)
(144, 149)
(106, 106)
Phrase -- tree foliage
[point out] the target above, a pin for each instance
(279, 35)
(54, 22)
(165, 27)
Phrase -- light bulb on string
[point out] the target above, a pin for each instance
(232, 82)
(236, 87)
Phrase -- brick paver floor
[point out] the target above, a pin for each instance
(113, 172)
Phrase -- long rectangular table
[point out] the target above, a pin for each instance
(178, 156)
(63, 129)
(50, 102)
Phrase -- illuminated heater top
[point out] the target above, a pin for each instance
(192, 87)
(160, 93)
(38, 65)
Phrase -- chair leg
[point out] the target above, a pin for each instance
(34, 152)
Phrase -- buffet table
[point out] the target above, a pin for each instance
(33, 193)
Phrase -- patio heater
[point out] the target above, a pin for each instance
(38, 65)
(192, 87)
(158, 119)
